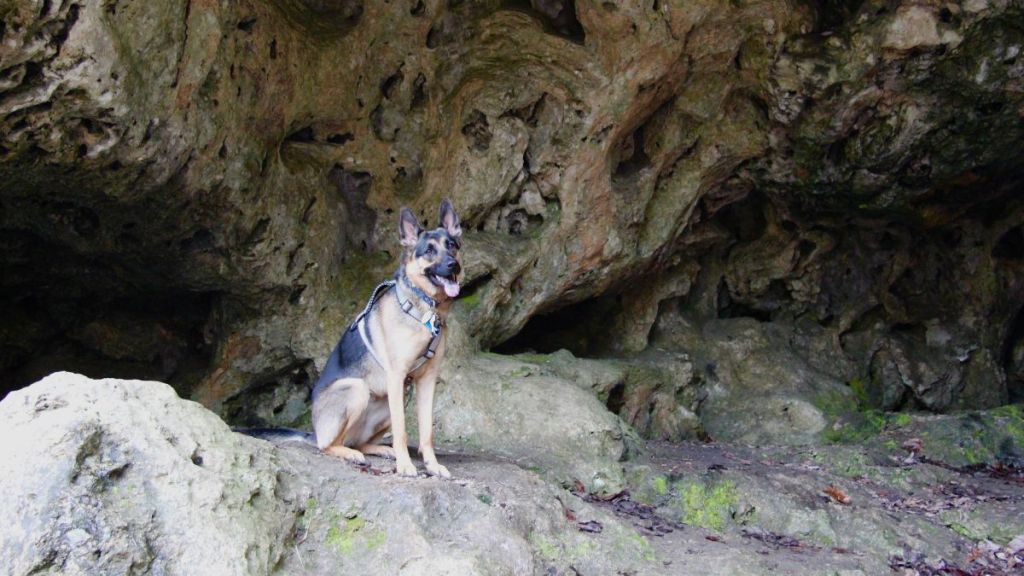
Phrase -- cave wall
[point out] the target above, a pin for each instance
(204, 192)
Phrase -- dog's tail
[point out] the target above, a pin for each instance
(278, 434)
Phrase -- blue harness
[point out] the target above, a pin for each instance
(429, 319)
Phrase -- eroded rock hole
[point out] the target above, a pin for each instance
(731, 308)
(280, 398)
(631, 156)
(585, 329)
(558, 16)
(304, 134)
(419, 92)
(388, 86)
(352, 190)
(340, 139)
(1013, 358)
(833, 13)
(324, 18)
(616, 398)
(435, 35)
(247, 24)
(477, 131)
(1010, 245)
(745, 220)
(155, 336)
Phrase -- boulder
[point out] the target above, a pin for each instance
(124, 477)
(519, 409)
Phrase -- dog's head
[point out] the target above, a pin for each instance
(432, 258)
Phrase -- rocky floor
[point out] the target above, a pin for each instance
(691, 509)
(124, 477)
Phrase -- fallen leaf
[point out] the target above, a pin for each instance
(914, 445)
(580, 487)
(837, 495)
(570, 515)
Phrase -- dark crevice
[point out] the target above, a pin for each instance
(831, 14)
(435, 35)
(246, 24)
(616, 398)
(1010, 245)
(388, 86)
(277, 398)
(62, 35)
(419, 93)
(557, 16)
(745, 220)
(352, 189)
(730, 308)
(1013, 358)
(582, 328)
(304, 134)
(478, 131)
(323, 19)
(340, 139)
(632, 157)
(158, 335)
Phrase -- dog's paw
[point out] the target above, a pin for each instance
(405, 469)
(378, 450)
(435, 469)
(348, 454)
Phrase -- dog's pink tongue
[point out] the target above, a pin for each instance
(451, 288)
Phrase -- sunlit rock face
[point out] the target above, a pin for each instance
(205, 192)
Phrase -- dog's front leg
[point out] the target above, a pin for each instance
(425, 417)
(400, 441)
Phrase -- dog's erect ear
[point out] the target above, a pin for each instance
(408, 227)
(449, 219)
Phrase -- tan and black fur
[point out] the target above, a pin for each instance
(359, 396)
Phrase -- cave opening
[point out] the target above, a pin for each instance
(1013, 358)
(585, 328)
(159, 335)
(558, 16)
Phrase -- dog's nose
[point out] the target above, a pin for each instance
(451, 267)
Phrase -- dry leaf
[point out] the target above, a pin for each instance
(837, 495)
(975, 553)
(914, 445)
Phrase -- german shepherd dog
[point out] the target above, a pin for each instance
(398, 338)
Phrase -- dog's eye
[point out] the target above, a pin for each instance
(430, 250)
(451, 246)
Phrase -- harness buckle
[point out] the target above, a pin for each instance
(432, 324)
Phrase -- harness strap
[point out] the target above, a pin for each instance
(377, 293)
(367, 343)
(429, 319)
(428, 353)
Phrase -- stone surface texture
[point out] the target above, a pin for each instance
(204, 192)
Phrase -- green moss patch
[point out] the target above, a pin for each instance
(707, 506)
(350, 534)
